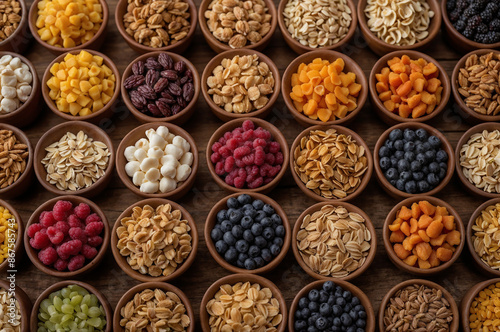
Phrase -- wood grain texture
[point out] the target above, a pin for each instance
(289, 277)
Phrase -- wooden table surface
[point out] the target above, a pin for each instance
(288, 276)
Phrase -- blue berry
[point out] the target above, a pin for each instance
(425, 170)
(244, 199)
(221, 215)
(384, 152)
(323, 296)
(403, 165)
(260, 242)
(361, 323)
(325, 309)
(253, 251)
(353, 314)
(405, 176)
(300, 325)
(441, 156)
(266, 222)
(229, 238)
(321, 323)
(266, 255)
(337, 310)
(237, 231)
(442, 173)
(423, 186)
(337, 322)
(385, 163)
(421, 134)
(400, 184)
(306, 313)
(257, 229)
(251, 212)
(242, 246)
(243, 256)
(313, 295)
(433, 179)
(421, 158)
(409, 146)
(394, 161)
(216, 234)
(328, 286)
(411, 187)
(232, 202)
(346, 319)
(341, 301)
(259, 216)
(391, 174)
(434, 167)
(426, 146)
(434, 141)
(226, 226)
(275, 250)
(276, 219)
(246, 222)
(389, 144)
(399, 154)
(248, 236)
(268, 209)
(399, 144)
(415, 166)
(250, 264)
(231, 255)
(259, 261)
(313, 306)
(396, 134)
(355, 300)
(362, 313)
(430, 155)
(278, 241)
(417, 176)
(235, 216)
(303, 302)
(221, 246)
(258, 204)
(280, 231)
(409, 155)
(409, 134)
(268, 233)
(347, 295)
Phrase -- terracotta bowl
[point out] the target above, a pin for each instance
(129, 295)
(490, 126)
(233, 279)
(54, 135)
(276, 135)
(33, 253)
(350, 65)
(456, 39)
(471, 116)
(220, 112)
(210, 223)
(95, 43)
(297, 47)
(365, 301)
(19, 244)
(446, 146)
(380, 47)
(61, 284)
(179, 47)
(340, 130)
(468, 298)
(218, 46)
(105, 113)
(28, 111)
(19, 41)
(392, 118)
(350, 208)
(24, 182)
(178, 118)
(24, 304)
(388, 245)
(140, 132)
(122, 261)
(386, 301)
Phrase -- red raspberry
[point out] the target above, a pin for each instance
(215, 157)
(216, 146)
(274, 147)
(47, 256)
(94, 241)
(256, 183)
(229, 164)
(94, 228)
(43, 231)
(237, 135)
(279, 159)
(76, 233)
(242, 173)
(262, 133)
(40, 241)
(219, 168)
(248, 125)
(76, 263)
(264, 170)
(62, 226)
(232, 143)
(260, 156)
(259, 142)
(69, 248)
(94, 217)
(82, 211)
(270, 159)
(248, 144)
(267, 180)
(274, 171)
(224, 152)
(229, 179)
(228, 135)
(61, 210)
(239, 182)
(240, 163)
(249, 159)
(61, 264)
(222, 141)
(237, 130)
(88, 251)
(74, 221)
(33, 229)
(242, 151)
(250, 178)
(255, 170)
(54, 235)
(47, 219)
(248, 135)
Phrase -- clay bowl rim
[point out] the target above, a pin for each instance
(129, 294)
(64, 283)
(24, 303)
(342, 130)
(35, 83)
(33, 253)
(443, 77)
(276, 135)
(317, 284)
(31, 156)
(68, 117)
(33, 15)
(121, 261)
(289, 39)
(211, 220)
(20, 232)
(391, 216)
(211, 40)
(469, 298)
(457, 35)
(350, 64)
(434, 27)
(351, 208)
(242, 277)
(463, 140)
(454, 85)
(145, 49)
(121, 161)
(47, 139)
(229, 54)
(24, 22)
(453, 305)
(445, 145)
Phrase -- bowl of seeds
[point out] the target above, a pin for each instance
(11, 236)
(22, 308)
(477, 302)
(14, 36)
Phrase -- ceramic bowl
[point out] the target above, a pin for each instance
(380, 47)
(24, 181)
(89, 266)
(129, 295)
(386, 301)
(412, 269)
(95, 43)
(216, 61)
(61, 284)
(19, 244)
(178, 118)
(212, 219)
(20, 39)
(468, 298)
(350, 66)
(179, 47)
(24, 304)
(140, 132)
(241, 277)
(445, 145)
(341, 130)
(392, 118)
(276, 136)
(54, 135)
(365, 301)
(351, 208)
(122, 261)
(105, 113)
(218, 46)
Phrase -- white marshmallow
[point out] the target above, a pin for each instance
(170, 137)
(153, 174)
(129, 153)
(8, 78)
(138, 178)
(148, 163)
(25, 66)
(183, 172)
(5, 60)
(140, 154)
(155, 152)
(9, 92)
(143, 143)
(179, 142)
(175, 151)
(149, 187)
(150, 132)
(187, 159)
(167, 184)
(162, 131)
(169, 170)
(15, 63)
(23, 75)
(168, 159)
(132, 167)
(23, 91)
(8, 105)
(157, 140)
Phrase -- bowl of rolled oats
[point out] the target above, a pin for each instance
(74, 158)
(14, 36)
(22, 308)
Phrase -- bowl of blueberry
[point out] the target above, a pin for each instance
(413, 159)
(331, 306)
(247, 233)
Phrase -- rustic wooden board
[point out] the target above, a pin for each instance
(376, 281)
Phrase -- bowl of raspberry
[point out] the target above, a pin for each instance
(67, 236)
(247, 155)
(248, 233)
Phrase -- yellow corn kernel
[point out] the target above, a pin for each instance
(54, 69)
(94, 71)
(76, 20)
(83, 101)
(53, 94)
(74, 108)
(53, 83)
(75, 83)
(105, 98)
(95, 93)
(85, 86)
(68, 42)
(94, 80)
(107, 71)
(97, 105)
(71, 62)
(62, 105)
(44, 34)
(73, 72)
(95, 17)
(85, 56)
(72, 97)
(65, 87)
(98, 60)
(109, 92)
(85, 112)
(97, 8)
